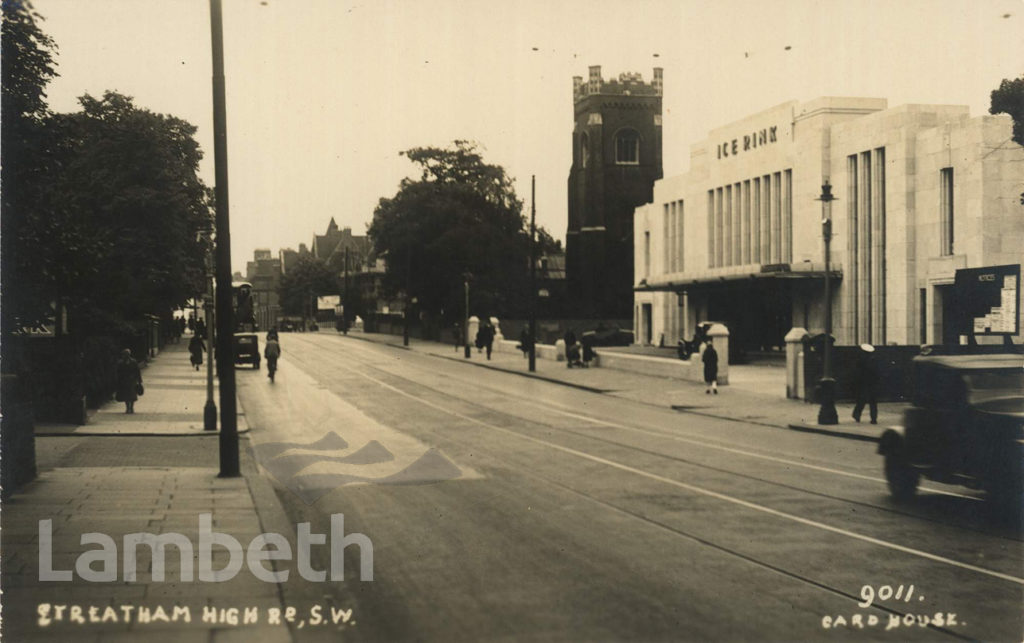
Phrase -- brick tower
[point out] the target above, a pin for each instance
(616, 158)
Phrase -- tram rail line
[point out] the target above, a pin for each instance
(707, 444)
(373, 372)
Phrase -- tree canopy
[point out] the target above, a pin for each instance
(1009, 99)
(110, 215)
(461, 216)
(309, 277)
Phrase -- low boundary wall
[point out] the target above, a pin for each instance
(691, 370)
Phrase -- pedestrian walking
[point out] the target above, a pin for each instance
(865, 383)
(192, 323)
(272, 352)
(710, 360)
(485, 338)
(200, 328)
(196, 348)
(525, 341)
(587, 341)
(129, 381)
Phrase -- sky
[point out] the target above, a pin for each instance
(323, 95)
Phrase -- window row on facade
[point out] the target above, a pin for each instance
(751, 221)
(865, 233)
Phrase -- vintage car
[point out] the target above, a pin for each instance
(965, 426)
(247, 349)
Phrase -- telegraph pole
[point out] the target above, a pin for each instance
(533, 273)
(345, 302)
(229, 463)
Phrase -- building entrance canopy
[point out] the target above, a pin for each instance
(678, 282)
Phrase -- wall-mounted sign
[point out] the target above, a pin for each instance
(987, 299)
(747, 142)
(327, 302)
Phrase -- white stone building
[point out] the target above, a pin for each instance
(920, 191)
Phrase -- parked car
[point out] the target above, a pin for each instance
(613, 336)
(965, 426)
(247, 349)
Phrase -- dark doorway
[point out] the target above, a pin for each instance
(947, 304)
(758, 314)
(645, 320)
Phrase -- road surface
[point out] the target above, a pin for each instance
(501, 507)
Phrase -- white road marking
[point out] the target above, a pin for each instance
(708, 492)
(558, 408)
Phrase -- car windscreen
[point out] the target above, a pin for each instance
(984, 385)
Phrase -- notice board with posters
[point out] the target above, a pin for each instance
(987, 300)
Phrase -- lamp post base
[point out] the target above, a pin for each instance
(827, 397)
(210, 416)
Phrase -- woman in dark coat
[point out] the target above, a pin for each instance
(710, 359)
(196, 346)
(129, 379)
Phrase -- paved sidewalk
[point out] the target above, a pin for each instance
(173, 402)
(756, 394)
(136, 474)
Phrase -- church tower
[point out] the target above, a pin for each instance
(616, 158)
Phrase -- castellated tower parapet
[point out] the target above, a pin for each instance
(627, 84)
(616, 158)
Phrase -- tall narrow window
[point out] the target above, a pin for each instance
(666, 237)
(711, 228)
(946, 210)
(584, 150)
(680, 263)
(647, 253)
(627, 147)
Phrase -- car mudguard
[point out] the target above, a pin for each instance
(892, 440)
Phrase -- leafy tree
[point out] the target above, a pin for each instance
(460, 216)
(1009, 99)
(26, 66)
(126, 208)
(309, 277)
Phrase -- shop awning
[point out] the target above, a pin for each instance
(678, 282)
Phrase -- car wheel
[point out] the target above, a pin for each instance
(902, 478)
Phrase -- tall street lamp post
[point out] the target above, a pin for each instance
(827, 385)
(210, 410)
(533, 274)
(405, 307)
(229, 462)
(466, 276)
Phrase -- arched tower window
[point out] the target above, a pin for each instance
(584, 150)
(627, 147)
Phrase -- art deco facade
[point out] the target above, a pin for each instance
(921, 190)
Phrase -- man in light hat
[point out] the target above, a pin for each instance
(865, 383)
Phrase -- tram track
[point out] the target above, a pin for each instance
(369, 369)
(659, 433)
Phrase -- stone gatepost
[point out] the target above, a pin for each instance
(560, 350)
(720, 335)
(474, 326)
(497, 331)
(794, 362)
